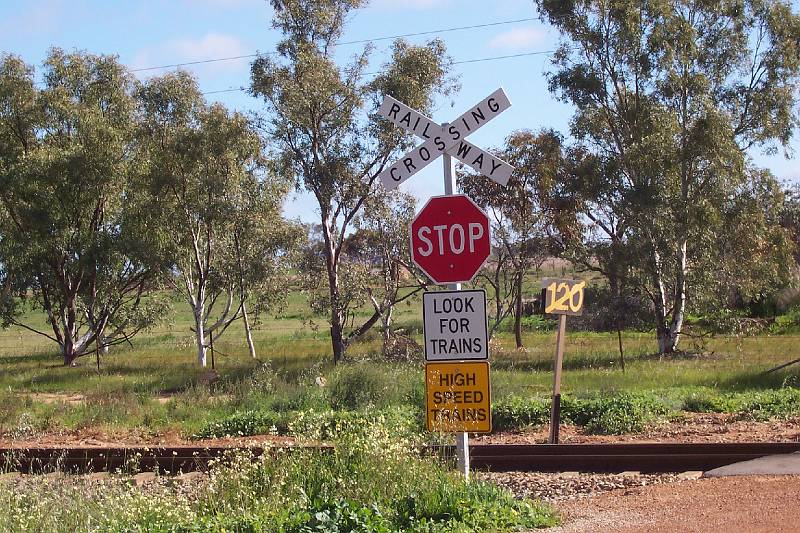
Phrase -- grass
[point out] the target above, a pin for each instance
(154, 386)
(371, 409)
(371, 482)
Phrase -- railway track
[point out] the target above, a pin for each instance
(642, 457)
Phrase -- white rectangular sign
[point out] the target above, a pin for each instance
(455, 325)
(445, 138)
(423, 127)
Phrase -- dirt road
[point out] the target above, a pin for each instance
(719, 505)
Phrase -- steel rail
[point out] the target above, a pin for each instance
(642, 457)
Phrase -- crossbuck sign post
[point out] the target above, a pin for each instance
(446, 140)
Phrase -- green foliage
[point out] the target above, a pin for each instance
(707, 401)
(530, 323)
(359, 385)
(516, 412)
(669, 99)
(756, 405)
(321, 118)
(245, 423)
(788, 322)
(764, 405)
(370, 481)
(342, 515)
(402, 420)
(615, 415)
(76, 239)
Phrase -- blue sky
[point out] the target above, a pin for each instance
(148, 33)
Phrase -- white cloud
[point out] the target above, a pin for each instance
(518, 38)
(210, 46)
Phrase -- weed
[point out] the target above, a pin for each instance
(516, 412)
(614, 415)
(244, 424)
(359, 385)
(24, 428)
(707, 401)
(403, 422)
(370, 481)
(764, 405)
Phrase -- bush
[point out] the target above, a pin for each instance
(532, 323)
(360, 385)
(623, 413)
(707, 401)
(764, 405)
(403, 421)
(371, 481)
(245, 423)
(757, 405)
(789, 322)
(516, 412)
(616, 415)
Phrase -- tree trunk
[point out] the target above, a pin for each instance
(679, 305)
(518, 308)
(386, 323)
(337, 342)
(663, 336)
(248, 334)
(668, 329)
(337, 319)
(69, 355)
(200, 336)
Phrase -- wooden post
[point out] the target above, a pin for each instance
(555, 411)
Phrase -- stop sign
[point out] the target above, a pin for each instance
(450, 239)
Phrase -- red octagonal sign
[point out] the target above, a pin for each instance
(450, 239)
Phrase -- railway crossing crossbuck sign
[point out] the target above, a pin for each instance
(445, 139)
(450, 242)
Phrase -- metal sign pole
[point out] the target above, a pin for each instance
(462, 438)
(555, 412)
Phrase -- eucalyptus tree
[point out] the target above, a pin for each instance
(380, 241)
(75, 242)
(671, 95)
(215, 204)
(524, 226)
(321, 119)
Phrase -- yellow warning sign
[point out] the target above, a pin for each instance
(458, 397)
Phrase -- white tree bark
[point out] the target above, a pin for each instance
(200, 335)
(679, 309)
(247, 332)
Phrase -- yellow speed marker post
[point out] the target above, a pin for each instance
(561, 297)
(458, 397)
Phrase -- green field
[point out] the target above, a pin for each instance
(155, 386)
